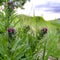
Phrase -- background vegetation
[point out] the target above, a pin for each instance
(28, 38)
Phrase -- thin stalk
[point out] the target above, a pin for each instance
(8, 14)
(56, 58)
(44, 50)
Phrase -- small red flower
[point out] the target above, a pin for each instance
(44, 30)
(11, 30)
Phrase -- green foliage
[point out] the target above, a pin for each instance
(26, 45)
(27, 38)
(2, 1)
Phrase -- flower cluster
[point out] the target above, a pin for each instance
(41, 33)
(11, 31)
(44, 30)
(11, 5)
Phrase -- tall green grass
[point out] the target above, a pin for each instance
(25, 45)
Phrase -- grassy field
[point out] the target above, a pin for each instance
(28, 43)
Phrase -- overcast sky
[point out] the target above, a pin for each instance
(49, 9)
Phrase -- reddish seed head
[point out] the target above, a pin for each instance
(44, 30)
(11, 30)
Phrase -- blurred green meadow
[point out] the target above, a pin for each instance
(25, 45)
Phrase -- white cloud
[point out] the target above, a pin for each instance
(31, 10)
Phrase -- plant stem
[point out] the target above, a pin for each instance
(44, 50)
(56, 58)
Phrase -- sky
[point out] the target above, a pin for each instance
(48, 9)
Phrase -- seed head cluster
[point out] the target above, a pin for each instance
(11, 32)
(44, 30)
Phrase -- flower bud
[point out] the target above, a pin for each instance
(44, 30)
(11, 32)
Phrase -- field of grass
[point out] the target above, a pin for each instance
(28, 43)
